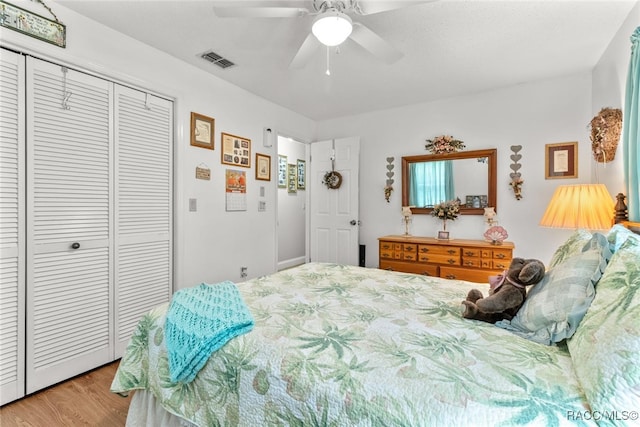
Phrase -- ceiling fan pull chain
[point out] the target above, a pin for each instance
(328, 72)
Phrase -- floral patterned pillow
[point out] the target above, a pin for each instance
(572, 246)
(606, 347)
(554, 307)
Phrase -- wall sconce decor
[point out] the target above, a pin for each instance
(516, 177)
(388, 188)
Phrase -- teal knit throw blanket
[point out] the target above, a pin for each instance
(200, 320)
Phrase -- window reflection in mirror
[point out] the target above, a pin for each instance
(468, 176)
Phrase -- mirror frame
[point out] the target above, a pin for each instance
(491, 154)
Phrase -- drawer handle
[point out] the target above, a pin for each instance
(386, 246)
(409, 257)
(424, 250)
(451, 261)
(385, 256)
(426, 274)
(469, 263)
(500, 256)
(450, 276)
(469, 253)
(75, 245)
(451, 251)
(389, 269)
(501, 266)
(424, 259)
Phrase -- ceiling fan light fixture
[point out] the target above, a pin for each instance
(332, 28)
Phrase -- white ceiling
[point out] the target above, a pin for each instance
(450, 47)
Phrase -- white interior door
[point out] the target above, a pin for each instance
(334, 212)
(69, 233)
(12, 226)
(143, 214)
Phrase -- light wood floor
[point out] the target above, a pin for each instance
(81, 401)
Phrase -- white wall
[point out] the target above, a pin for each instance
(531, 115)
(291, 211)
(609, 83)
(210, 244)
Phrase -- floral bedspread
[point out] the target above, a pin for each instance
(348, 346)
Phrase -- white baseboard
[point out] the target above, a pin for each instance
(283, 265)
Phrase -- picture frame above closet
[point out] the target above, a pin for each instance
(202, 131)
(263, 167)
(236, 150)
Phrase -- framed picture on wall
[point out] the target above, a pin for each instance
(263, 167)
(302, 174)
(282, 171)
(292, 178)
(561, 160)
(236, 150)
(202, 131)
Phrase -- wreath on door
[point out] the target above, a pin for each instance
(332, 179)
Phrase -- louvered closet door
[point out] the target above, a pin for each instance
(69, 287)
(12, 267)
(144, 141)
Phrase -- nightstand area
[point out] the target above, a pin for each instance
(472, 260)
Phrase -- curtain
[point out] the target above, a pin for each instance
(631, 131)
(430, 183)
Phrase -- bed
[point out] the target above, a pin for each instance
(337, 345)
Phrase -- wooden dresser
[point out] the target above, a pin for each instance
(472, 260)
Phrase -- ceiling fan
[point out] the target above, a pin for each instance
(332, 26)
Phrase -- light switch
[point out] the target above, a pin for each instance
(262, 191)
(262, 206)
(193, 205)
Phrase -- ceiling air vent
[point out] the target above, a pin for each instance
(217, 59)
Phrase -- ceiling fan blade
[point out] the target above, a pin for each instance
(375, 44)
(260, 12)
(368, 7)
(306, 51)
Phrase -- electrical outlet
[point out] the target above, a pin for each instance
(243, 272)
(193, 205)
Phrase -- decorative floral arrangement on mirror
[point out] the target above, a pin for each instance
(444, 144)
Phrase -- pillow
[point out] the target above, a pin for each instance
(554, 307)
(606, 347)
(618, 235)
(572, 246)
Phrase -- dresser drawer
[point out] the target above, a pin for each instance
(387, 246)
(439, 259)
(503, 254)
(471, 262)
(386, 253)
(469, 274)
(500, 265)
(410, 267)
(471, 252)
(439, 250)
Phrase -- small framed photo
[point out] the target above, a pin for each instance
(202, 131)
(561, 160)
(236, 150)
(302, 174)
(282, 171)
(443, 235)
(263, 167)
(292, 178)
(476, 201)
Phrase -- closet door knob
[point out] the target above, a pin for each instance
(75, 245)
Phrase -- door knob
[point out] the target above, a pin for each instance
(354, 222)
(75, 245)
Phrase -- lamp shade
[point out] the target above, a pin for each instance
(587, 206)
(332, 28)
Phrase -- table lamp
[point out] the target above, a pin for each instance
(588, 206)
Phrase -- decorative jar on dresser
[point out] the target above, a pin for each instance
(472, 260)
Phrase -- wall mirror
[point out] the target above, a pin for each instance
(434, 178)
